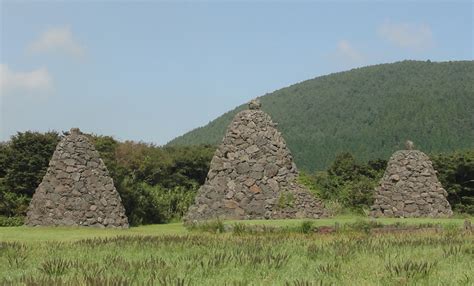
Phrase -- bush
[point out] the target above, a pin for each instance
(145, 204)
(346, 184)
(13, 204)
(456, 173)
(11, 221)
(23, 163)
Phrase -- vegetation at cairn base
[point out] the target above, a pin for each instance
(141, 256)
(367, 111)
(11, 221)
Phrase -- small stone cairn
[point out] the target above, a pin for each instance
(77, 189)
(410, 188)
(252, 175)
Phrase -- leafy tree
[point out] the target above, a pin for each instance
(28, 155)
(347, 182)
(456, 173)
(23, 163)
(344, 167)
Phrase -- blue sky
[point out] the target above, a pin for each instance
(150, 71)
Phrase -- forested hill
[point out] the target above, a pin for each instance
(367, 111)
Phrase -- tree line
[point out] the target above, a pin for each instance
(157, 184)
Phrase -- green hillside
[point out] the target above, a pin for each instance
(367, 111)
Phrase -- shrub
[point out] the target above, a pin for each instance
(146, 204)
(456, 174)
(11, 221)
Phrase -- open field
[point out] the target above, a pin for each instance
(27, 234)
(171, 255)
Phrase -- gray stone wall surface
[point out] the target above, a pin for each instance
(410, 188)
(77, 189)
(252, 175)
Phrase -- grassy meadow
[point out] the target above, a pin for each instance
(280, 252)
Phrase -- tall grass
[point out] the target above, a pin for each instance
(244, 257)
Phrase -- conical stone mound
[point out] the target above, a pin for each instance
(410, 188)
(77, 189)
(252, 175)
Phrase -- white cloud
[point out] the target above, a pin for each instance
(407, 35)
(37, 81)
(57, 39)
(347, 53)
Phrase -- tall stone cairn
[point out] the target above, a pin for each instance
(77, 189)
(410, 188)
(252, 175)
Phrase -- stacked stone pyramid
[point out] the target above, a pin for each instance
(77, 189)
(410, 188)
(252, 175)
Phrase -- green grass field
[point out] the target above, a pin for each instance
(172, 255)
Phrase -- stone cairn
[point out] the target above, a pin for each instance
(410, 188)
(252, 175)
(77, 189)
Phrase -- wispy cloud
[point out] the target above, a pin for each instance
(348, 54)
(37, 81)
(57, 39)
(407, 35)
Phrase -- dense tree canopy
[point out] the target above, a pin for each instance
(456, 173)
(368, 112)
(23, 162)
